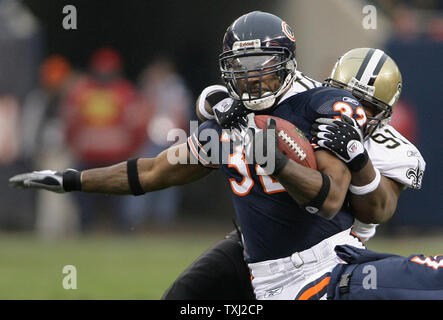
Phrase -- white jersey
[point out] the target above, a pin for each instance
(396, 158)
(300, 84)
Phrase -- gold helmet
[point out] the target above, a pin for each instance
(373, 78)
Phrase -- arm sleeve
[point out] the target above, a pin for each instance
(203, 145)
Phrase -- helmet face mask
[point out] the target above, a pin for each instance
(374, 79)
(258, 62)
(254, 77)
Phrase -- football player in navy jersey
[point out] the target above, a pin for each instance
(219, 272)
(272, 211)
(258, 66)
(375, 204)
(291, 217)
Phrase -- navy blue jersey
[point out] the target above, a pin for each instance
(273, 224)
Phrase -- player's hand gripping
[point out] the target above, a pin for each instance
(261, 146)
(54, 181)
(344, 138)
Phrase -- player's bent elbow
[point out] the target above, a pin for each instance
(326, 215)
(329, 215)
(372, 218)
(373, 212)
(330, 208)
(383, 216)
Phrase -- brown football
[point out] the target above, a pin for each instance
(291, 141)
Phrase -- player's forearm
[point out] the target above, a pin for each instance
(370, 208)
(304, 184)
(379, 205)
(114, 179)
(365, 176)
(160, 173)
(108, 180)
(152, 173)
(300, 182)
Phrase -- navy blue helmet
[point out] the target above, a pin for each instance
(258, 60)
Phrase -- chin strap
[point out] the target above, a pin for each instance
(268, 101)
(258, 104)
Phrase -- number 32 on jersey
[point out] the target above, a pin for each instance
(237, 161)
(345, 108)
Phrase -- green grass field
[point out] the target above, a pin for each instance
(125, 267)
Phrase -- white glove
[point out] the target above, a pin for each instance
(47, 180)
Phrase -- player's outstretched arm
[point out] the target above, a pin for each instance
(151, 174)
(373, 196)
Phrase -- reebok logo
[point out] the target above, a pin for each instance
(355, 84)
(273, 292)
(246, 44)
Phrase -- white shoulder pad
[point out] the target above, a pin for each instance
(300, 84)
(307, 82)
(396, 157)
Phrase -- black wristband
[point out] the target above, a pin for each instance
(280, 162)
(72, 180)
(216, 97)
(315, 205)
(359, 162)
(133, 180)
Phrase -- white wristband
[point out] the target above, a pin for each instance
(362, 190)
(205, 93)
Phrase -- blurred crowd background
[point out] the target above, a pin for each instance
(112, 88)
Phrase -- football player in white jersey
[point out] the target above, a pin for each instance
(395, 164)
(392, 162)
